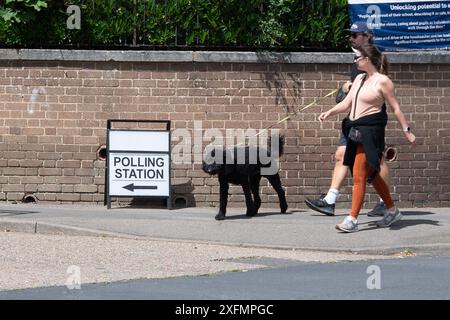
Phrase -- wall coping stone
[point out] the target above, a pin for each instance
(416, 57)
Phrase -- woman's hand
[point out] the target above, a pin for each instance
(411, 138)
(324, 115)
(346, 86)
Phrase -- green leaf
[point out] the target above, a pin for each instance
(39, 4)
(8, 15)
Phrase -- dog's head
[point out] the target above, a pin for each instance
(213, 161)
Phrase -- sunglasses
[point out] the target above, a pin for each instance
(355, 35)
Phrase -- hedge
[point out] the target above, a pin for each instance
(292, 25)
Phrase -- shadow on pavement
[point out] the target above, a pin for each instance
(260, 214)
(7, 213)
(404, 223)
(273, 213)
(416, 213)
(235, 217)
(324, 215)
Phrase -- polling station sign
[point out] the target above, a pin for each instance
(405, 25)
(138, 162)
(138, 174)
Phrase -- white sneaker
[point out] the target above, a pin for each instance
(348, 225)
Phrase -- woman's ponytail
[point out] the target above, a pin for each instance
(384, 65)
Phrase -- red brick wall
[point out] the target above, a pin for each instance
(51, 152)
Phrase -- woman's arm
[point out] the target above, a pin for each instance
(342, 106)
(387, 88)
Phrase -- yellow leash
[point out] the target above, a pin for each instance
(296, 112)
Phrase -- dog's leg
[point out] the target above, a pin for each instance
(275, 181)
(223, 197)
(248, 199)
(254, 186)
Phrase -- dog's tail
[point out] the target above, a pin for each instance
(281, 142)
(281, 145)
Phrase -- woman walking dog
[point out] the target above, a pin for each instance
(365, 128)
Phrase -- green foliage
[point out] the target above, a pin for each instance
(272, 28)
(32, 21)
(16, 13)
(250, 24)
(161, 23)
(21, 11)
(317, 24)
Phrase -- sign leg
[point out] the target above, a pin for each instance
(169, 202)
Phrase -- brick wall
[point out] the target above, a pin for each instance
(53, 121)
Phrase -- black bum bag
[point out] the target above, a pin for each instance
(355, 135)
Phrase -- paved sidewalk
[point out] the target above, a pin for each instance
(422, 230)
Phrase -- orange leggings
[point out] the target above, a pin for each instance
(361, 170)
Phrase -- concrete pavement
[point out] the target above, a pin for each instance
(422, 230)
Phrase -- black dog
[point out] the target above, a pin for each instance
(245, 173)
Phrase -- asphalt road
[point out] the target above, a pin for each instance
(424, 277)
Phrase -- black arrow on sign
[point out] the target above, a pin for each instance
(131, 187)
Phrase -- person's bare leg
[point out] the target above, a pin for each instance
(340, 171)
(339, 174)
(384, 172)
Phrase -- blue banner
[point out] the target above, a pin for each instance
(406, 24)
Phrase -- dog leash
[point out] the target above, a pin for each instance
(292, 114)
(299, 110)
